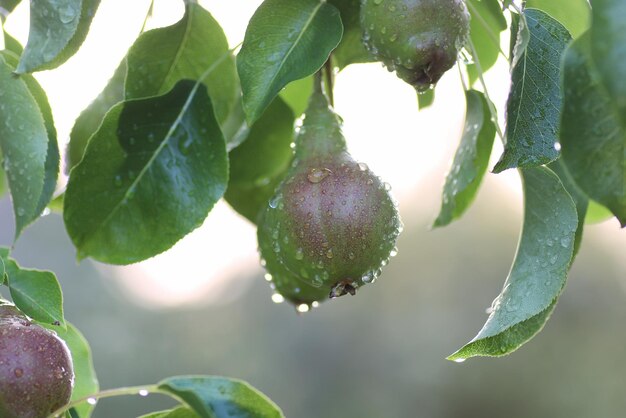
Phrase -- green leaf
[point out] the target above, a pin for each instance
(470, 161)
(12, 44)
(297, 94)
(194, 48)
(9, 5)
(25, 146)
(539, 271)
(608, 47)
(90, 119)
(57, 30)
(425, 99)
(180, 412)
(258, 165)
(578, 196)
(520, 36)
(575, 15)
(51, 167)
(220, 397)
(284, 41)
(37, 293)
(593, 131)
(149, 176)
(351, 49)
(597, 213)
(85, 380)
(486, 23)
(534, 103)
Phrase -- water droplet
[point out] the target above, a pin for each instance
(67, 14)
(368, 277)
(377, 2)
(315, 304)
(363, 166)
(329, 253)
(268, 277)
(299, 254)
(317, 175)
(565, 242)
(351, 256)
(394, 252)
(303, 308)
(387, 186)
(277, 298)
(143, 392)
(92, 401)
(459, 360)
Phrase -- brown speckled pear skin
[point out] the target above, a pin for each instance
(36, 373)
(419, 39)
(332, 224)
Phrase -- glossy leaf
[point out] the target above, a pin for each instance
(219, 397)
(90, 119)
(284, 41)
(149, 176)
(37, 293)
(258, 165)
(539, 271)
(351, 49)
(57, 29)
(486, 23)
(593, 131)
(25, 146)
(578, 196)
(534, 103)
(51, 167)
(608, 47)
(470, 161)
(180, 412)
(194, 48)
(575, 15)
(85, 380)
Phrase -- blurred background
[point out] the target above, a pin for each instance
(204, 308)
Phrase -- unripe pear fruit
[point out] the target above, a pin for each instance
(419, 39)
(331, 224)
(36, 372)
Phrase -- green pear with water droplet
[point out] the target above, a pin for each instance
(419, 39)
(332, 223)
(36, 372)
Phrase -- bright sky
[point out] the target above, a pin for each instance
(409, 150)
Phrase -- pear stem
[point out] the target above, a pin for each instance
(330, 80)
(492, 109)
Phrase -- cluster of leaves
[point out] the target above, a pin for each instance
(183, 123)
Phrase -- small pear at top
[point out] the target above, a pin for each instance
(418, 39)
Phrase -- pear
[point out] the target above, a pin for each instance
(332, 223)
(418, 39)
(36, 372)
